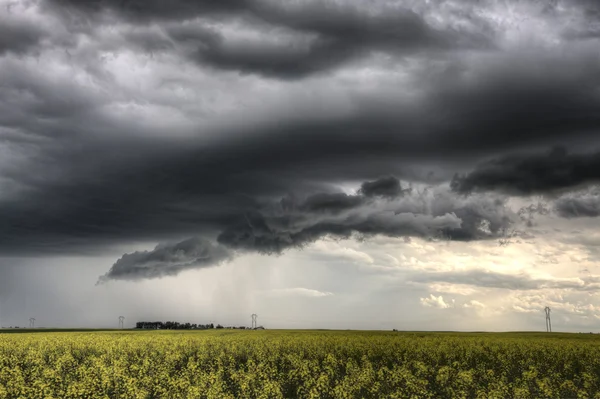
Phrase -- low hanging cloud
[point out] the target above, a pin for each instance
(528, 174)
(579, 204)
(294, 224)
(379, 207)
(167, 260)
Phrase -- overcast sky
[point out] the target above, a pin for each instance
(412, 164)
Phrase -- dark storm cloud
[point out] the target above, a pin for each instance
(91, 174)
(279, 61)
(143, 11)
(340, 33)
(90, 193)
(579, 204)
(167, 260)
(273, 228)
(343, 34)
(527, 174)
(18, 37)
(273, 235)
(327, 202)
(385, 187)
(529, 213)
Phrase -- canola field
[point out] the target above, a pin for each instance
(298, 364)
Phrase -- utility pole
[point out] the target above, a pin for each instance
(121, 321)
(548, 323)
(254, 323)
(31, 322)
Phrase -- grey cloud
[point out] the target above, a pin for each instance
(342, 33)
(143, 11)
(328, 202)
(482, 216)
(273, 232)
(273, 228)
(277, 61)
(579, 204)
(385, 187)
(274, 235)
(488, 279)
(527, 174)
(52, 107)
(99, 188)
(84, 168)
(588, 26)
(529, 213)
(167, 260)
(91, 180)
(282, 60)
(18, 37)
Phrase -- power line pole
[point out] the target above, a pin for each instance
(254, 323)
(31, 322)
(548, 323)
(121, 321)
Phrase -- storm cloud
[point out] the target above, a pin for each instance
(273, 228)
(260, 126)
(324, 35)
(527, 174)
(18, 37)
(579, 204)
(167, 260)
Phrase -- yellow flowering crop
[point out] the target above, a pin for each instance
(297, 364)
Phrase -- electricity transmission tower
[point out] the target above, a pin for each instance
(254, 323)
(31, 322)
(121, 321)
(548, 323)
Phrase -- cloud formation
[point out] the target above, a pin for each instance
(239, 121)
(291, 223)
(579, 204)
(167, 260)
(436, 302)
(527, 174)
(337, 33)
(17, 37)
(522, 282)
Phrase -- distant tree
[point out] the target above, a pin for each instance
(173, 325)
(219, 326)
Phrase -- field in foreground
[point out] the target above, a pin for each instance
(298, 364)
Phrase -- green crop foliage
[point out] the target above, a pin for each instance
(297, 364)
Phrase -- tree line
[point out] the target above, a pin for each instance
(174, 325)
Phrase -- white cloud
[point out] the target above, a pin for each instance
(296, 292)
(435, 302)
(456, 289)
(474, 304)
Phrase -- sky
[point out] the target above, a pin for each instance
(417, 165)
